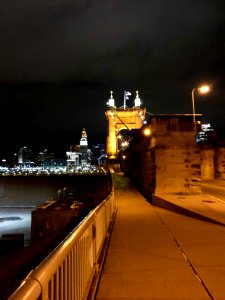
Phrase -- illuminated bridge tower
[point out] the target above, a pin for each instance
(119, 122)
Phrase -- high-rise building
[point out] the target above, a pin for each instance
(79, 155)
(73, 158)
(25, 157)
(84, 148)
(48, 160)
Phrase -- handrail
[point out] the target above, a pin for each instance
(68, 272)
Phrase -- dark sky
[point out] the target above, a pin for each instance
(60, 59)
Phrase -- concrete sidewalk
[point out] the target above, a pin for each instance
(200, 207)
(157, 253)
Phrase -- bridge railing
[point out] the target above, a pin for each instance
(71, 269)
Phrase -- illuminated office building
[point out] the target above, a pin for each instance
(25, 157)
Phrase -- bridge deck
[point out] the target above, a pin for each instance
(155, 253)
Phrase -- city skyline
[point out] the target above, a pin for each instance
(27, 155)
(59, 62)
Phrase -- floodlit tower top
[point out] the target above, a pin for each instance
(84, 133)
(83, 140)
(137, 100)
(111, 101)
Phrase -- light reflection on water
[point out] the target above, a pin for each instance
(16, 221)
(18, 197)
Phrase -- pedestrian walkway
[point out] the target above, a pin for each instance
(157, 253)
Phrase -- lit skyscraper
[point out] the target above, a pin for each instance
(25, 157)
(84, 148)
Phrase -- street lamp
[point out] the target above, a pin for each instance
(147, 131)
(204, 89)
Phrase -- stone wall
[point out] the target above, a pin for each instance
(220, 163)
(169, 160)
(207, 164)
(177, 160)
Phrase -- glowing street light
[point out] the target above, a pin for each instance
(204, 89)
(147, 131)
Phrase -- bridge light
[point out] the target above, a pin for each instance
(147, 131)
(124, 144)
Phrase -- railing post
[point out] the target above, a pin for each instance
(96, 267)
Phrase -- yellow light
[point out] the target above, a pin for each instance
(204, 89)
(125, 143)
(147, 131)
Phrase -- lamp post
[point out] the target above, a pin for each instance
(204, 89)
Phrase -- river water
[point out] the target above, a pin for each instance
(19, 195)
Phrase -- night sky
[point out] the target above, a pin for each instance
(60, 59)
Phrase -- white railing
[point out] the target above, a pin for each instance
(70, 270)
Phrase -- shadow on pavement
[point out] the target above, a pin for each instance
(162, 203)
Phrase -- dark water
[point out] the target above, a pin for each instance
(20, 191)
(19, 196)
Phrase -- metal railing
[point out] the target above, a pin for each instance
(70, 270)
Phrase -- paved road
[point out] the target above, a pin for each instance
(214, 189)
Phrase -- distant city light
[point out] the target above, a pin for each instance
(204, 134)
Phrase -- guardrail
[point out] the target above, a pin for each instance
(71, 271)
